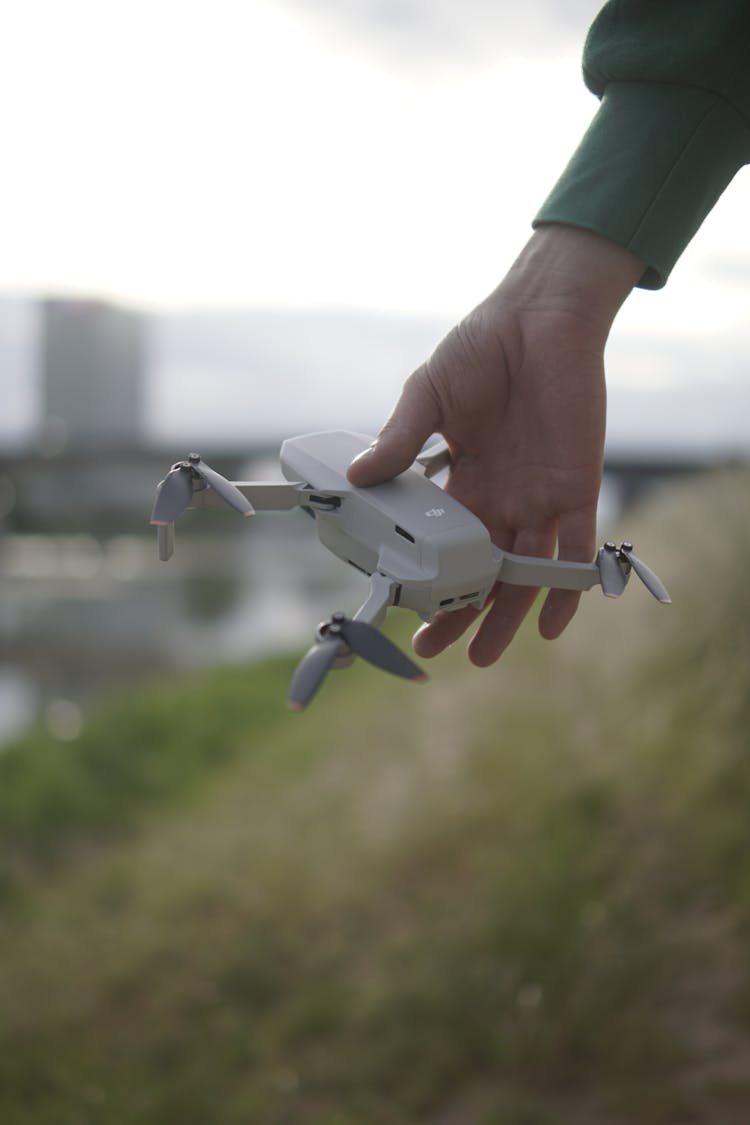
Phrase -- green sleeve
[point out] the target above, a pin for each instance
(672, 129)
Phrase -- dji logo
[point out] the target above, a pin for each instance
(435, 513)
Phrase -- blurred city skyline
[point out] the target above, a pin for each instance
(85, 374)
(244, 377)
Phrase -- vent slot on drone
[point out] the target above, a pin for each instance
(404, 534)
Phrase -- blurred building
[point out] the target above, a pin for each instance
(92, 364)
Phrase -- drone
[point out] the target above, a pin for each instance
(421, 549)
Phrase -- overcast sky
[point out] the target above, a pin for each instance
(281, 151)
(370, 154)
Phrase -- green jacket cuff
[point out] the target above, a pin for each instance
(649, 169)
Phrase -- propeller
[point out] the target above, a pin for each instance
(611, 574)
(173, 495)
(312, 670)
(337, 637)
(175, 492)
(651, 581)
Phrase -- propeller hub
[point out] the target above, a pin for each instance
(338, 641)
(194, 458)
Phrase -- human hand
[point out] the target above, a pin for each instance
(517, 390)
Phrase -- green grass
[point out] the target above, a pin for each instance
(511, 897)
(141, 754)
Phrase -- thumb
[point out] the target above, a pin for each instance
(414, 418)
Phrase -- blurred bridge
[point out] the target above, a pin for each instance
(106, 491)
(634, 473)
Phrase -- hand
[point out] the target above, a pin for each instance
(517, 389)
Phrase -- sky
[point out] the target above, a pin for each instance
(277, 152)
(328, 154)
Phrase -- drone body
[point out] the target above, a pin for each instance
(409, 529)
(421, 548)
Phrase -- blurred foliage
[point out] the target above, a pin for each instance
(514, 897)
(132, 756)
(208, 597)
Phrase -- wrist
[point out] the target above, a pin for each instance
(576, 271)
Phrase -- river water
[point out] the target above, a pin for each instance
(83, 618)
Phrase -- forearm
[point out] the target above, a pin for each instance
(672, 130)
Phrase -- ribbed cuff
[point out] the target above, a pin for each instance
(649, 169)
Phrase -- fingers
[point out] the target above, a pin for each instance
(576, 543)
(511, 603)
(557, 612)
(446, 628)
(509, 607)
(415, 417)
(501, 623)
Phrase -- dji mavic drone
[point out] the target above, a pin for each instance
(421, 549)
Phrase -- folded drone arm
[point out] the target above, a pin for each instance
(382, 594)
(434, 459)
(272, 496)
(611, 570)
(268, 496)
(523, 570)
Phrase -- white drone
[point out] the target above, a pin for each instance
(421, 549)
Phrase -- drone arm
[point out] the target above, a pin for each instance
(523, 570)
(434, 459)
(268, 496)
(271, 496)
(382, 594)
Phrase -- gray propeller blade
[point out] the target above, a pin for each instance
(165, 540)
(220, 484)
(173, 495)
(175, 492)
(366, 641)
(651, 581)
(611, 574)
(340, 636)
(312, 670)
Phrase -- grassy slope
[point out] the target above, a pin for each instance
(513, 896)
